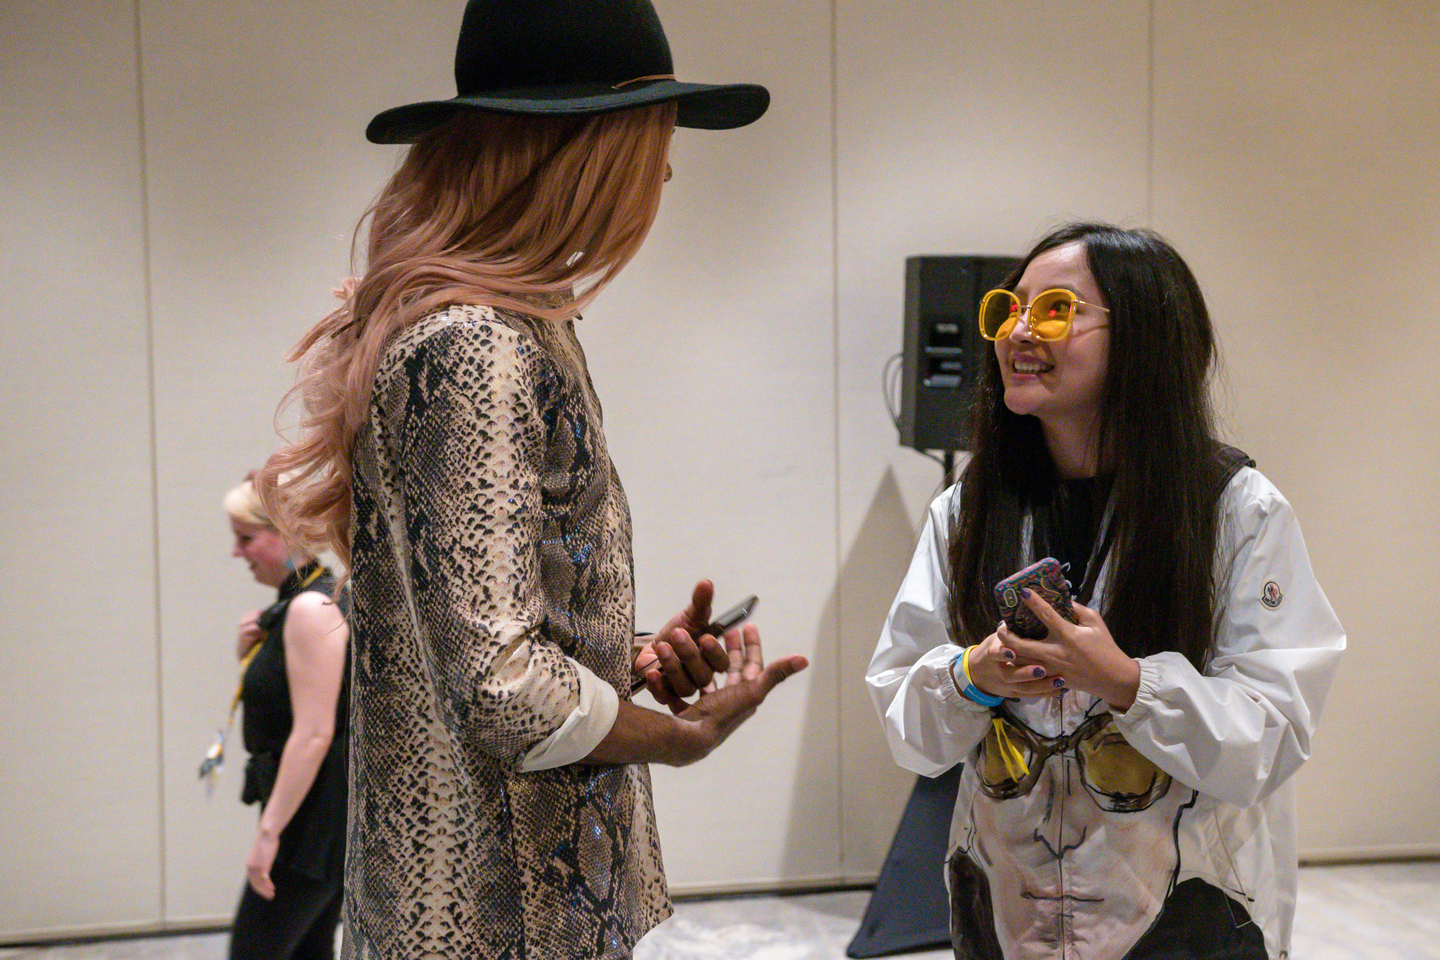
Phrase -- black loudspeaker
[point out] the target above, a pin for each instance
(943, 346)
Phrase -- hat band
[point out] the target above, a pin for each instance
(658, 76)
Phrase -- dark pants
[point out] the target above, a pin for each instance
(299, 924)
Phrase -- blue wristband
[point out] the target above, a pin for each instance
(972, 692)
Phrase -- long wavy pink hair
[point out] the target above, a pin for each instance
(486, 209)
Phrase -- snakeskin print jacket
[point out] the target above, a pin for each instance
(491, 554)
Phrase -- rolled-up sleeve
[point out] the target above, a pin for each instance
(929, 725)
(467, 413)
(1241, 729)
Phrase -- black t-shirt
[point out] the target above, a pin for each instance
(1072, 524)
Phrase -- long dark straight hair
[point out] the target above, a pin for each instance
(1157, 433)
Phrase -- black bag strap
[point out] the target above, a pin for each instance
(1092, 568)
(1231, 459)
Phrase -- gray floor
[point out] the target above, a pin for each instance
(1371, 912)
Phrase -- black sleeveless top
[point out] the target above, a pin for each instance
(313, 842)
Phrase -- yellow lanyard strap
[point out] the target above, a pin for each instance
(1010, 754)
(250, 654)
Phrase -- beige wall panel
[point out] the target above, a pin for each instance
(1295, 166)
(714, 356)
(961, 128)
(78, 773)
(258, 172)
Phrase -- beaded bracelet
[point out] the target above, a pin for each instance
(972, 692)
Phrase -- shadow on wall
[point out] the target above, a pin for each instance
(873, 789)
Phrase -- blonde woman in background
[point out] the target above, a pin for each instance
(453, 454)
(293, 677)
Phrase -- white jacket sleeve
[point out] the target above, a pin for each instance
(1240, 730)
(929, 724)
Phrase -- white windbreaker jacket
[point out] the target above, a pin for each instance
(1192, 783)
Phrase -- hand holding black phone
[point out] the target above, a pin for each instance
(730, 619)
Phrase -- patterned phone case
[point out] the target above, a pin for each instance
(1047, 579)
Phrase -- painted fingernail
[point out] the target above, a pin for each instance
(1039, 672)
(1009, 654)
(1024, 591)
(1059, 683)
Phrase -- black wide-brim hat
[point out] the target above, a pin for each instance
(561, 58)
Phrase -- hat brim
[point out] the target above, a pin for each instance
(701, 106)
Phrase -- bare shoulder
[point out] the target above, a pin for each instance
(314, 618)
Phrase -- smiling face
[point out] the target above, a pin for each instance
(263, 549)
(1060, 383)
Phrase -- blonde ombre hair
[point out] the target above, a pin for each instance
(242, 503)
(529, 214)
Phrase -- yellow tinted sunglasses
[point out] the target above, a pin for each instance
(1049, 313)
(1118, 777)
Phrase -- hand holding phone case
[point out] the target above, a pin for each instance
(1047, 579)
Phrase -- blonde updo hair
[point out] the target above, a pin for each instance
(243, 503)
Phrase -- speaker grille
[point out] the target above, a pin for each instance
(943, 347)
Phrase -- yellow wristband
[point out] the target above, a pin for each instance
(965, 664)
(971, 691)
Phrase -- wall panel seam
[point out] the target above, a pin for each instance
(835, 437)
(1150, 115)
(147, 260)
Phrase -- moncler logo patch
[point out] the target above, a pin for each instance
(1271, 595)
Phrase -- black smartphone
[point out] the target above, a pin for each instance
(730, 619)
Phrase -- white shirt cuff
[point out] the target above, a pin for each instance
(582, 731)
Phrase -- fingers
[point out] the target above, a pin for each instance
(747, 660)
(735, 655)
(683, 668)
(714, 654)
(261, 883)
(720, 712)
(246, 639)
(753, 663)
(1018, 650)
(1006, 666)
(1031, 681)
(655, 683)
(1043, 610)
(697, 615)
(781, 670)
(698, 671)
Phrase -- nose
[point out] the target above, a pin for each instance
(1058, 833)
(236, 550)
(1020, 333)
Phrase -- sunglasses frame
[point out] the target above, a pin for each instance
(1043, 748)
(1024, 313)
